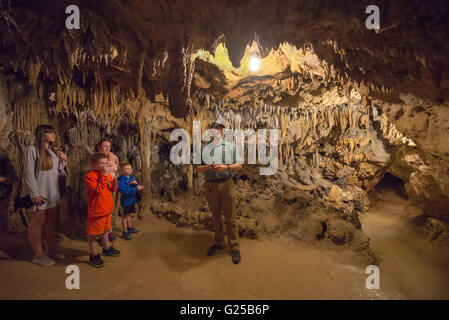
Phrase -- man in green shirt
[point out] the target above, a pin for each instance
(220, 190)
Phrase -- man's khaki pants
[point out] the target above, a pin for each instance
(221, 199)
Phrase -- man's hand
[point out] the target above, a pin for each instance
(220, 167)
(140, 187)
(201, 169)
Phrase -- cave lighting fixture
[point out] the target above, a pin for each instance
(254, 64)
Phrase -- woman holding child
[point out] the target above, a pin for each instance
(104, 146)
(43, 166)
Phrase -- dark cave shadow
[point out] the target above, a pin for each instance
(189, 249)
(389, 183)
(18, 246)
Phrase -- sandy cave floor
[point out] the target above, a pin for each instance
(409, 264)
(166, 262)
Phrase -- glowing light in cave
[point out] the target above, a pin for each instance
(254, 64)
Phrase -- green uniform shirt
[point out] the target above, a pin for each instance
(225, 147)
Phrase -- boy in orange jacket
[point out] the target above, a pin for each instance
(100, 185)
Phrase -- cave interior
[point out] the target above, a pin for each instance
(361, 113)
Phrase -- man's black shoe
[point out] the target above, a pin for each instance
(236, 256)
(213, 250)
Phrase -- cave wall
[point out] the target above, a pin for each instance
(331, 156)
(424, 165)
(22, 109)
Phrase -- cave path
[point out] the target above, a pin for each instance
(409, 265)
(166, 262)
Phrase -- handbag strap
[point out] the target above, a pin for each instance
(36, 167)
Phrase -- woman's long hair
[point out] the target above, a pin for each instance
(45, 159)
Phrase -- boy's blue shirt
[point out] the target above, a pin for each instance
(128, 192)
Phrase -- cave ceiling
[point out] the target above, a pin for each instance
(168, 49)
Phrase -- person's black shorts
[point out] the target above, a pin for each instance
(129, 209)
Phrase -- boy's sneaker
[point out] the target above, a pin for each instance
(126, 235)
(133, 230)
(112, 237)
(111, 252)
(96, 261)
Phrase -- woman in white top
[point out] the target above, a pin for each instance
(43, 166)
(104, 146)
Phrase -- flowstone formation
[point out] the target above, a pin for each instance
(350, 104)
